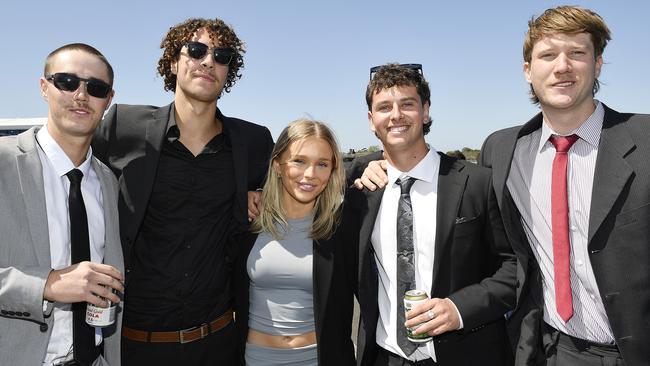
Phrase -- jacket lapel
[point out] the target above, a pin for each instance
(112, 248)
(322, 278)
(612, 172)
(504, 152)
(240, 165)
(30, 173)
(369, 211)
(141, 185)
(451, 184)
(501, 161)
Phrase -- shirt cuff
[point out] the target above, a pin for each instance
(460, 318)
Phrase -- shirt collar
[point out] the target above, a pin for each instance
(172, 132)
(589, 130)
(57, 157)
(425, 170)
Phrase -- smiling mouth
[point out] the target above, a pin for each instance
(80, 111)
(307, 187)
(398, 129)
(564, 84)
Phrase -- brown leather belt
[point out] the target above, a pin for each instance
(179, 336)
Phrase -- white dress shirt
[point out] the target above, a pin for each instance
(424, 199)
(529, 182)
(55, 165)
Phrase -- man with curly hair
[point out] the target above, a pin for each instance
(184, 170)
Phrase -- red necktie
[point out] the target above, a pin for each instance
(560, 226)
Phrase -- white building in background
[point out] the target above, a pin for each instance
(14, 126)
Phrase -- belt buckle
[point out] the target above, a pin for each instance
(204, 333)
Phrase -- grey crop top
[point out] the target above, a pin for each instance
(281, 286)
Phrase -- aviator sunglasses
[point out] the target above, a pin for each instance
(417, 67)
(70, 82)
(198, 50)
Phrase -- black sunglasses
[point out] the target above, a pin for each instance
(198, 50)
(70, 82)
(417, 67)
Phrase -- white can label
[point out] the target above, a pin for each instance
(100, 317)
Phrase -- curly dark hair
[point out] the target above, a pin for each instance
(181, 33)
(393, 74)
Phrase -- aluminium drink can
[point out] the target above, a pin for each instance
(101, 317)
(411, 299)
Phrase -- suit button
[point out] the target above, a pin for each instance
(27, 314)
(43, 328)
(3, 312)
(19, 313)
(12, 313)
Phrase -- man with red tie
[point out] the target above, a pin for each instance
(573, 185)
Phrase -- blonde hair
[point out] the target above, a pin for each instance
(272, 218)
(566, 20)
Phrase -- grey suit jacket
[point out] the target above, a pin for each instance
(619, 235)
(25, 253)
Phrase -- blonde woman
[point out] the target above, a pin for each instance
(295, 282)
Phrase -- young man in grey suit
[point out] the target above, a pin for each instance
(441, 233)
(574, 187)
(184, 170)
(60, 245)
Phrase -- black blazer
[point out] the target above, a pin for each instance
(129, 140)
(474, 265)
(619, 235)
(333, 279)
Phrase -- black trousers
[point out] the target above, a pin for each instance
(387, 358)
(219, 348)
(562, 349)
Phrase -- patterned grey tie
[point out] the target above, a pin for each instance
(405, 263)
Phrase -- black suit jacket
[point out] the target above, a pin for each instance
(474, 265)
(129, 140)
(333, 280)
(618, 235)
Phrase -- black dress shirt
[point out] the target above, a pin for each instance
(182, 265)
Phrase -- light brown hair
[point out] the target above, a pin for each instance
(566, 20)
(272, 218)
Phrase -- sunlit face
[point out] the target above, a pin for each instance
(74, 113)
(397, 117)
(563, 70)
(203, 79)
(305, 168)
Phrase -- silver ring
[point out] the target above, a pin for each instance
(431, 314)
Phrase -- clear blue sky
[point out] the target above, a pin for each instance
(311, 59)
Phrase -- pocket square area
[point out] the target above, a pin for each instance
(463, 219)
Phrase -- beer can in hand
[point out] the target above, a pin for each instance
(101, 317)
(411, 299)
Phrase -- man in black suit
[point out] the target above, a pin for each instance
(449, 241)
(582, 240)
(184, 170)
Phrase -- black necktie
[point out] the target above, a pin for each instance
(405, 263)
(83, 335)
